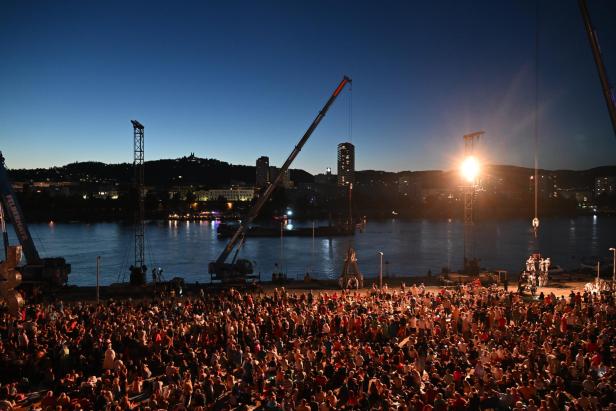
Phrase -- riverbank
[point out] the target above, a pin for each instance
(561, 287)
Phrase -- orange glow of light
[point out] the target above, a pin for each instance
(470, 169)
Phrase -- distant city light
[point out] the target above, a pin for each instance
(535, 223)
(470, 169)
(289, 213)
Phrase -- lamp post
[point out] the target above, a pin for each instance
(380, 253)
(613, 250)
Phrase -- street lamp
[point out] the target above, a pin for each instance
(380, 253)
(613, 250)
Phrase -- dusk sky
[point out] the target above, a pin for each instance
(236, 80)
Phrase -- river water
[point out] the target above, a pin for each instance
(410, 247)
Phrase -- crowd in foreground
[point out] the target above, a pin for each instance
(468, 348)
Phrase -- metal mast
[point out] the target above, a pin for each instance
(138, 148)
(469, 190)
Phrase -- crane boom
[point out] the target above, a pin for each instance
(254, 211)
(16, 216)
(48, 271)
(608, 91)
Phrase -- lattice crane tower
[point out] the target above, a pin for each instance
(138, 166)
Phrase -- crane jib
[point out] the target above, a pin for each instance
(608, 92)
(25, 239)
(15, 215)
(270, 189)
(341, 86)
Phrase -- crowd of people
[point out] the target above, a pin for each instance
(464, 348)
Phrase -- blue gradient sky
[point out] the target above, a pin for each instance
(235, 80)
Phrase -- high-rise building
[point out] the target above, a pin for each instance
(346, 164)
(263, 172)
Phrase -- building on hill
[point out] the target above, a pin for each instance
(286, 178)
(327, 178)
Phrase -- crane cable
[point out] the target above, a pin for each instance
(350, 133)
(350, 112)
(535, 222)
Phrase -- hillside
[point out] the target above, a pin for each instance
(211, 173)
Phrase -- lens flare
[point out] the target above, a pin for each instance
(470, 169)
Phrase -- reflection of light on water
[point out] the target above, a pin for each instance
(561, 239)
(571, 229)
(325, 259)
(594, 238)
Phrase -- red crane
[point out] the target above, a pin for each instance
(239, 270)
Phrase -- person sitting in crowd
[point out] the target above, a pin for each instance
(466, 348)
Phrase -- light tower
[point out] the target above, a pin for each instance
(470, 171)
(138, 270)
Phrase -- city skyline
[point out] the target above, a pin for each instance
(214, 82)
(327, 169)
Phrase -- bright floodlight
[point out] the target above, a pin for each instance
(470, 169)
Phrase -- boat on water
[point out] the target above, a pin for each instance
(226, 230)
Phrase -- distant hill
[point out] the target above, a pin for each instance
(205, 172)
(212, 173)
(564, 178)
